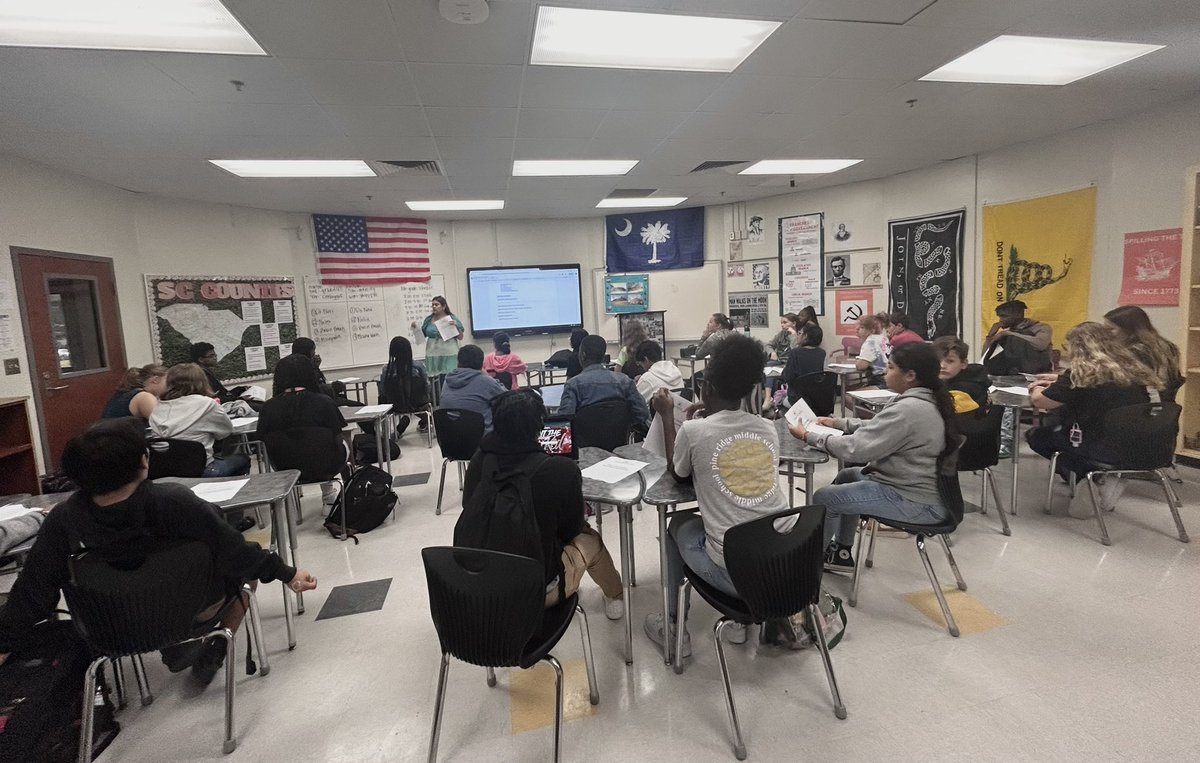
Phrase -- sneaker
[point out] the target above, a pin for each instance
(653, 626)
(180, 657)
(329, 492)
(209, 661)
(838, 559)
(735, 633)
(614, 609)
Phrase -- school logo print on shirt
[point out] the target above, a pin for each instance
(743, 466)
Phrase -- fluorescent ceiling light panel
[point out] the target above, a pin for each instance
(798, 166)
(1015, 60)
(189, 26)
(456, 205)
(295, 168)
(629, 40)
(647, 201)
(571, 167)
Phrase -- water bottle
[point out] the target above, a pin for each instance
(1076, 436)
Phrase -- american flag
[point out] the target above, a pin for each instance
(371, 251)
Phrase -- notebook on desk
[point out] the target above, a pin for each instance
(552, 395)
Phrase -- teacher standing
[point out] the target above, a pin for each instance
(441, 355)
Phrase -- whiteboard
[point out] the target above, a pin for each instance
(353, 325)
(688, 296)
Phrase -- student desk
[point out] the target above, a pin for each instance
(383, 432)
(1016, 403)
(543, 373)
(844, 373)
(274, 488)
(691, 364)
(357, 386)
(792, 452)
(624, 495)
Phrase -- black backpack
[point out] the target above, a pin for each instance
(499, 516)
(366, 500)
(559, 359)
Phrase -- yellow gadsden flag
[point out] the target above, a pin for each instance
(1040, 252)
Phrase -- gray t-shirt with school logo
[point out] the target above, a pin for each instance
(733, 457)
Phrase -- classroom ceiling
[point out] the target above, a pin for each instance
(391, 80)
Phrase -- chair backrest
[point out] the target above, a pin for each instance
(819, 390)
(505, 378)
(602, 425)
(1142, 436)
(688, 394)
(981, 428)
(486, 605)
(949, 488)
(777, 574)
(316, 452)
(851, 346)
(458, 432)
(176, 458)
(141, 596)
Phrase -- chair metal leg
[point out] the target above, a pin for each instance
(815, 617)
(983, 494)
(441, 487)
(258, 518)
(230, 666)
(1050, 484)
(991, 479)
(297, 504)
(951, 625)
(558, 705)
(626, 521)
(439, 703)
(858, 567)
(143, 683)
(958, 578)
(462, 471)
(597, 511)
(491, 676)
(119, 683)
(87, 722)
(1071, 480)
(680, 623)
(264, 666)
(871, 549)
(1091, 482)
(585, 633)
(739, 747)
(1172, 499)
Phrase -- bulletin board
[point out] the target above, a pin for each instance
(353, 325)
(687, 296)
(249, 320)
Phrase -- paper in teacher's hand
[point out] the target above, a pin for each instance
(215, 492)
(801, 413)
(446, 327)
(613, 469)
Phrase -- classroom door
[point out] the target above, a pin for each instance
(73, 339)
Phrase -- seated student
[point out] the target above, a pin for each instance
(138, 393)
(786, 339)
(204, 355)
(872, 355)
(187, 412)
(595, 384)
(403, 383)
(297, 405)
(958, 375)
(633, 333)
(1104, 374)
(718, 326)
(503, 360)
(732, 457)
(1025, 342)
(808, 315)
(305, 348)
(115, 506)
(570, 546)
(1160, 355)
(656, 373)
(898, 331)
(467, 387)
(806, 358)
(573, 364)
(900, 446)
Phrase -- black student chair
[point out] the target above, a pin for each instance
(458, 434)
(1142, 440)
(776, 574)
(603, 425)
(489, 610)
(175, 458)
(131, 601)
(980, 452)
(316, 452)
(505, 378)
(819, 390)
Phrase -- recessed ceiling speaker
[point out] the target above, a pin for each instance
(464, 11)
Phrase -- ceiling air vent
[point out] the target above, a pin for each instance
(386, 168)
(706, 166)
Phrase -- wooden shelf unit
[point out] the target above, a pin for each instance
(18, 464)
(1189, 316)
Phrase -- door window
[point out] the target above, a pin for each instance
(75, 324)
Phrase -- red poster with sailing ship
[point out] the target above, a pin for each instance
(1152, 267)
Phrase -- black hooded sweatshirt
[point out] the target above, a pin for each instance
(974, 381)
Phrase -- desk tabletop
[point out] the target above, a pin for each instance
(793, 450)
(664, 489)
(351, 414)
(261, 488)
(48, 501)
(624, 493)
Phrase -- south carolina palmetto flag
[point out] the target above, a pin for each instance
(371, 251)
(642, 241)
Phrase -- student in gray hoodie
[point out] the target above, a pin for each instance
(900, 446)
(187, 411)
(468, 388)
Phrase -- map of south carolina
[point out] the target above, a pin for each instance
(221, 328)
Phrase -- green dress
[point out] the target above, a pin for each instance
(441, 355)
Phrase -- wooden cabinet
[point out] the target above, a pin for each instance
(18, 466)
(1189, 312)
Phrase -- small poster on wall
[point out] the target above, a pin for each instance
(801, 267)
(1151, 274)
(626, 293)
(853, 304)
(748, 310)
(735, 271)
(761, 275)
(653, 322)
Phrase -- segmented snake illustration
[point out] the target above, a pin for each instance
(924, 258)
(1024, 276)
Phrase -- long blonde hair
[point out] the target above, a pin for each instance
(136, 378)
(185, 379)
(1099, 356)
(633, 335)
(1150, 346)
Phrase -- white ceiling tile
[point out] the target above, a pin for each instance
(566, 87)
(365, 120)
(761, 94)
(632, 125)
(475, 148)
(751, 9)
(427, 37)
(558, 148)
(558, 123)
(874, 11)
(362, 30)
(491, 172)
(393, 147)
(210, 78)
(671, 91)
(977, 14)
(357, 83)
(469, 122)
(467, 84)
(47, 74)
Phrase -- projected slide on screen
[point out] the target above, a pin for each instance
(525, 300)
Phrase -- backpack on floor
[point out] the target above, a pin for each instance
(367, 452)
(364, 503)
(499, 516)
(796, 632)
(41, 693)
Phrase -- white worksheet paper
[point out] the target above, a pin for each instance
(215, 492)
(14, 510)
(849, 366)
(772, 371)
(368, 409)
(874, 395)
(348, 379)
(613, 469)
(252, 311)
(1012, 390)
(446, 328)
(243, 421)
(802, 413)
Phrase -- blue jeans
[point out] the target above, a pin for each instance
(853, 493)
(685, 544)
(229, 466)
